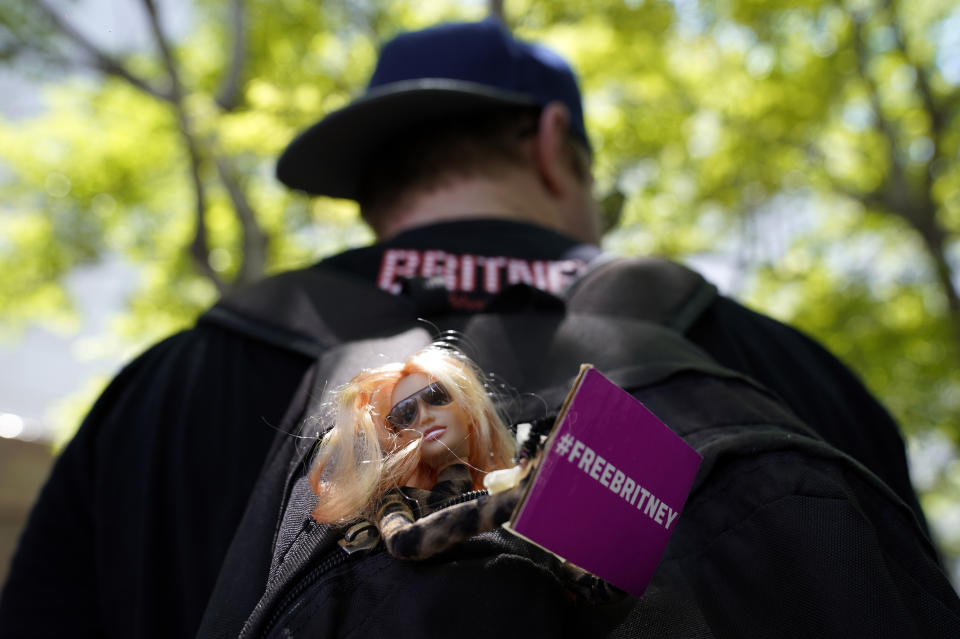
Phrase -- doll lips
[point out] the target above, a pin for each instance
(434, 432)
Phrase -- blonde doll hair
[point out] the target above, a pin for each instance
(361, 457)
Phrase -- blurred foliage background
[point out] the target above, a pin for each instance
(806, 151)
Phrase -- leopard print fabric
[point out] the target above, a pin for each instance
(407, 536)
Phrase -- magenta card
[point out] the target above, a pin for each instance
(610, 487)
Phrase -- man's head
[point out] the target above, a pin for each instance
(455, 116)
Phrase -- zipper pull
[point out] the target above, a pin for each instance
(361, 536)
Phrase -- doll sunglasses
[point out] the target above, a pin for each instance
(405, 412)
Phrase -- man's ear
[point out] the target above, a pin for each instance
(552, 162)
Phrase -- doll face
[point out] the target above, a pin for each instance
(423, 408)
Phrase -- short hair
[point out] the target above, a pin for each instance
(433, 154)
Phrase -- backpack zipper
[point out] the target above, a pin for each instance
(465, 497)
(333, 560)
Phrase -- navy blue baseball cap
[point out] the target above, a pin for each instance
(450, 70)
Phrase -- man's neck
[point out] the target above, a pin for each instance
(466, 200)
(477, 198)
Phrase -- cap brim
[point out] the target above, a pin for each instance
(328, 158)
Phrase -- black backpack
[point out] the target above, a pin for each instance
(782, 534)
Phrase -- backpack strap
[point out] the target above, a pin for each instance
(649, 289)
(310, 310)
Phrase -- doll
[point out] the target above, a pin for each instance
(405, 424)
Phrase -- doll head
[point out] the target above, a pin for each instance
(423, 408)
(399, 425)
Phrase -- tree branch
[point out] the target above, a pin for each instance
(937, 115)
(495, 9)
(915, 206)
(254, 263)
(166, 53)
(229, 95)
(897, 191)
(199, 247)
(934, 235)
(100, 60)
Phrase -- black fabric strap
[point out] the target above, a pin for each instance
(258, 329)
(647, 289)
